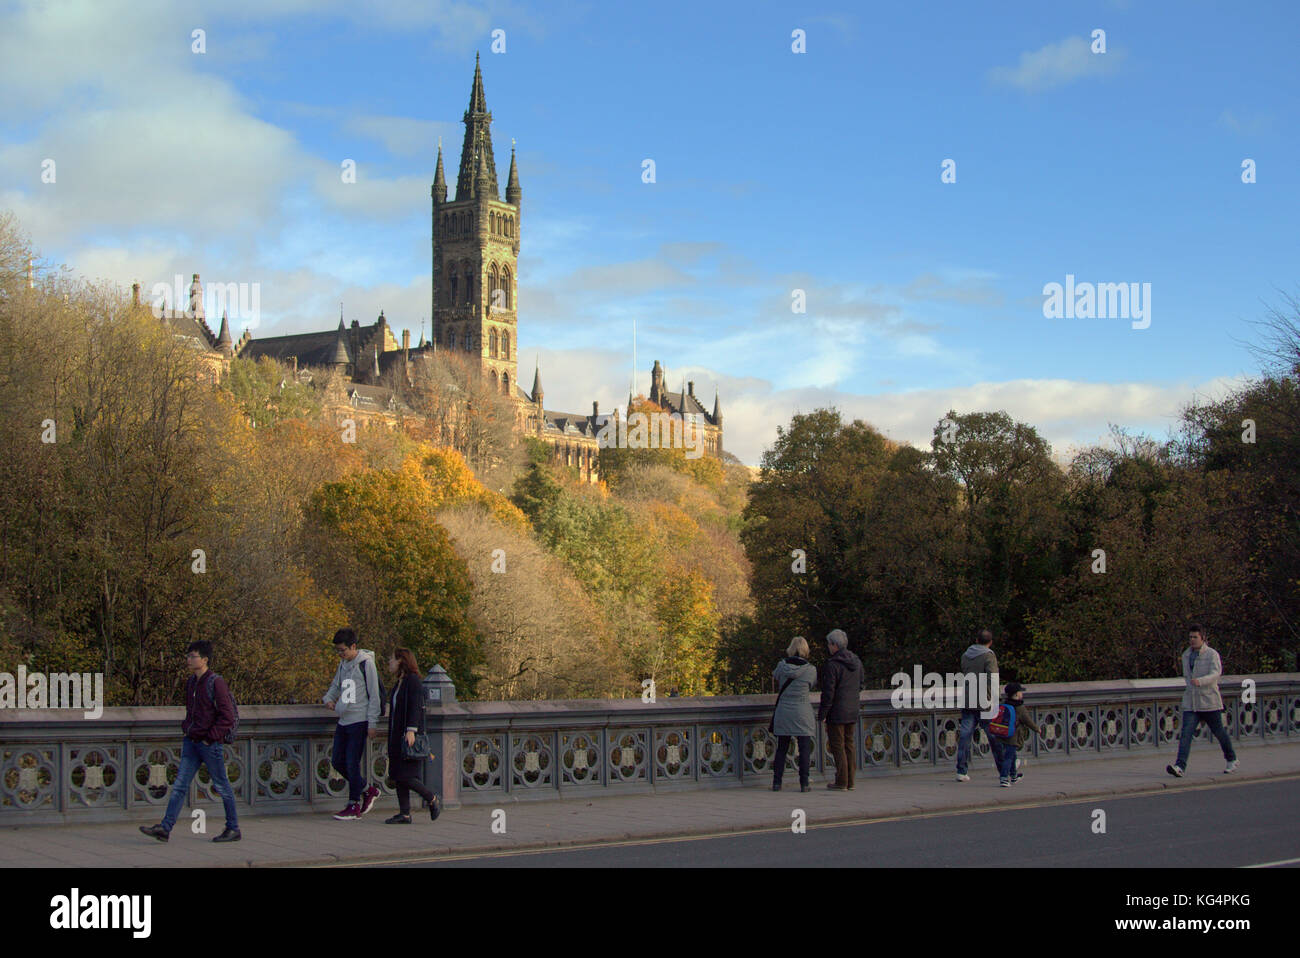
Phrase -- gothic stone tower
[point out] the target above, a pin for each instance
(476, 252)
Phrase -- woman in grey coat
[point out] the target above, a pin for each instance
(794, 713)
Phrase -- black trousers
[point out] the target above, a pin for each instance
(409, 777)
(805, 757)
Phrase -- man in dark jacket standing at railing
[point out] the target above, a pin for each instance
(209, 717)
(840, 702)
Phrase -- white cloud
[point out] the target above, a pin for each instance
(1056, 64)
(1065, 412)
(403, 135)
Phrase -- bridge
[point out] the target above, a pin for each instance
(57, 767)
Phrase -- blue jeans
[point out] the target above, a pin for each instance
(349, 746)
(1192, 721)
(1007, 760)
(194, 754)
(969, 717)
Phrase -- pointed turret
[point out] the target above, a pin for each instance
(481, 182)
(342, 326)
(223, 339)
(439, 180)
(341, 357)
(513, 193)
(717, 409)
(537, 384)
(478, 145)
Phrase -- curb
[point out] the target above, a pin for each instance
(435, 852)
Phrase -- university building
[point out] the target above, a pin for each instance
(474, 309)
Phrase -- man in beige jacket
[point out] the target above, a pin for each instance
(1201, 701)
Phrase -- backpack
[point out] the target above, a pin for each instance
(1003, 724)
(383, 692)
(212, 694)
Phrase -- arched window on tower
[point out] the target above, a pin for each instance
(452, 284)
(505, 288)
(505, 383)
(494, 283)
(451, 339)
(492, 348)
(494, 380)
(469, 286)
(505, 344)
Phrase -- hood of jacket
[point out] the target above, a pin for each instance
(848, 659)
(971, 657)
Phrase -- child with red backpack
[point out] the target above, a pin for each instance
(1011, 728)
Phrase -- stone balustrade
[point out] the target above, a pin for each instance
(57, 766)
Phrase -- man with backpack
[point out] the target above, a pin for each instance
(210, 722)
(356, 695)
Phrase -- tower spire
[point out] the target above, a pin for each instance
(478, 143)
(537, 382)
(439, 180)
(513, 193)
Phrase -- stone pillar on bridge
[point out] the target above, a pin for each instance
(442, 774)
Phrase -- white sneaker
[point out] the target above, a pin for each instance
(962, 777)
(1020, 763)
(1175, 770)
(1232, 767)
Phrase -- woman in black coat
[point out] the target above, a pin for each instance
(405, 718)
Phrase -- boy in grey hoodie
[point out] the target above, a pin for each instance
(977, 660)
(354, 695)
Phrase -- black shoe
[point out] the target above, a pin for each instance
(776, 786)
(805, 787)
(157, 831)
(229, 835)
(398, 819)
(835, 788)
(435, 808)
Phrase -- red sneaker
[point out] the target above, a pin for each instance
(353, 811)
(368, 798)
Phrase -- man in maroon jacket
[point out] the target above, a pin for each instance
(209, 717)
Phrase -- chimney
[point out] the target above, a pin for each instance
(595, 409)
(406, 342)
(690, 387)
(196, 296)
(135, 294)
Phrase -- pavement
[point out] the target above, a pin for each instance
(317, 839)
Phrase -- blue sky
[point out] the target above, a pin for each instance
(775, 171)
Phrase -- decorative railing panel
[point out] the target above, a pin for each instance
(57, 766)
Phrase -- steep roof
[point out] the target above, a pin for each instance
(312, 349)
